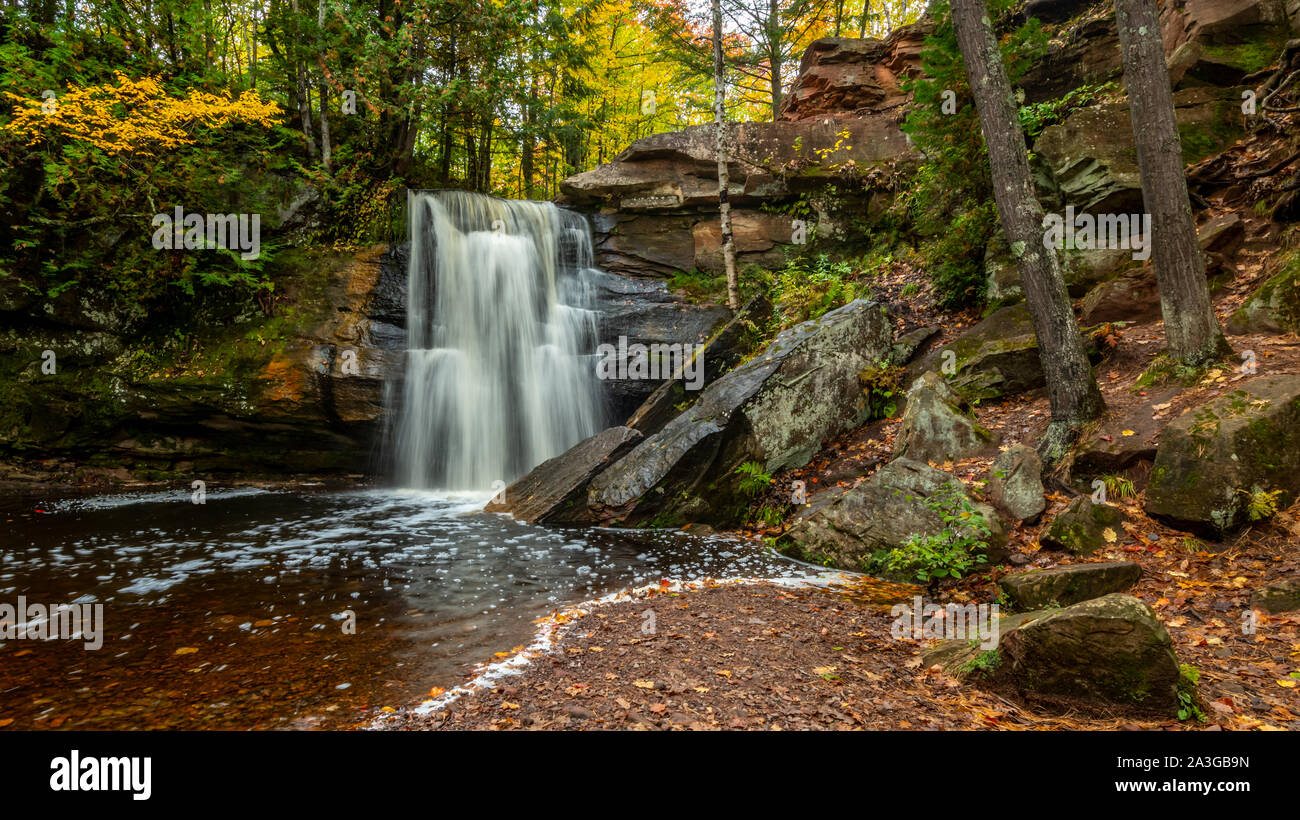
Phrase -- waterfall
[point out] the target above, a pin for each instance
(499, 374)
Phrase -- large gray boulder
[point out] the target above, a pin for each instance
(1119, 441)
(997, 357)
(1214, 457)
(554, 492)
(1016, 483)
(776, 410)
(934, 428)
(904, 498)
(1083, 270)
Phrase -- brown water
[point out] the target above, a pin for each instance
(230, 614)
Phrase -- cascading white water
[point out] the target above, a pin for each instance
(499, 374)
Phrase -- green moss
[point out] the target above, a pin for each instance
(1250, 56)
(984, 664)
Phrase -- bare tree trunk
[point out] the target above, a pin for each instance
(529, 142)
(1191, 328)
(724, 207)
(325, 152)
(324, 95)
(1071, 388)
(250, 34)
(302, 87)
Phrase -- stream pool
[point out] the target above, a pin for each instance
(238, 613)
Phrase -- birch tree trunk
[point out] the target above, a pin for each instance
(1071, 388)
(1191, 328)
(724, 207)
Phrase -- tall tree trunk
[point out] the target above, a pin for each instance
(774, 35)
(866, 10)
(485, 151)
(1071, 388)
(448, 137)
(324, 92)
(301, 85)
(724, 207)
(530, 139)
(207, 33)
(250, 34)
(325, 151)
(1191, 328)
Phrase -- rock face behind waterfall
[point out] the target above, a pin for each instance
(776, 410)
(654, 207)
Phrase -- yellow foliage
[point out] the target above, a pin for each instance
(134, 115)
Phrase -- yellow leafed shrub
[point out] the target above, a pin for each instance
(135, 116)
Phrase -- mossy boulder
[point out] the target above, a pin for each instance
(1067, 585)
(845, 528)
(1091, 158)
(997, 357)
(1108, 651)
(1274, 307)
(1083, 269)
(1218, 458)
(1094, 656)
(1016, 483)
(776, 410)
(1281, 596)
(934, 428)
(1222, 42)
(1084, 527)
